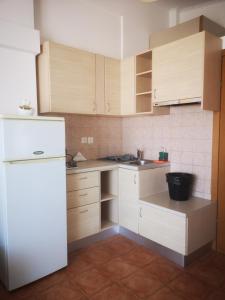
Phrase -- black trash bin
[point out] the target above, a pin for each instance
(180, 185)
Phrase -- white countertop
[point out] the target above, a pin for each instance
(38, 118)
(103, 165)
(183, 208)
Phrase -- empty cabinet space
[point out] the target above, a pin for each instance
(144, 82)
(109, 185)
(109, 214)
(109, 200)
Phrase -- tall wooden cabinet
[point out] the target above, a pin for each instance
(188, 71)
(66, 80)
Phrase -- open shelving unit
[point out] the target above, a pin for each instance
(144, 82)
(109, 199)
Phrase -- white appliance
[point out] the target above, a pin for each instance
(33, 233)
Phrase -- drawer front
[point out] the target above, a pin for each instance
(83, 197)
(83, 221)
(82, 181)
(164, 228)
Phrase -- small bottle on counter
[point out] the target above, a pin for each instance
(163, 155)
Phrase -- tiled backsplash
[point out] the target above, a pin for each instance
(186, 134)
(106, 132)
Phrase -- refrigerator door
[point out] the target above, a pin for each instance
(36, 219)
(23, 139)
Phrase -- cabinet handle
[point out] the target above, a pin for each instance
(83, 195)
(140, 212)
(83, 211)
(154, 93)
(135, 179)
(83, 178)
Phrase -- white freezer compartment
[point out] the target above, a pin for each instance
(22, 139)
(36, 236)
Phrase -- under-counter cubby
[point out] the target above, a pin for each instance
(109, 198)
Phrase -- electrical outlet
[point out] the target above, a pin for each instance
(90, 140)
(84, 140)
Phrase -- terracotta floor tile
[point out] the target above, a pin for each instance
(118, 268)
(163, 269)
(140, 256)
(208, 272)
(77, 264)
(120, 245)
(142, 284)
(62, 291)
(216, 295)
(98, 255)
(190, 287)
(115, 292)
(92, 281)
(165, 294)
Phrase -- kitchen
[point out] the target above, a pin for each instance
(185, 131)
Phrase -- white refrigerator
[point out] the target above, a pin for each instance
(33, 233)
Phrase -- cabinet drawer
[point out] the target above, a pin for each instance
(164, 228)
(82, 181)
(83, 221)
(82, 197)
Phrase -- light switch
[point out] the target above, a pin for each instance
(84, 140)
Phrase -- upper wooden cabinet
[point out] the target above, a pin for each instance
(187, 71)
(66, 80)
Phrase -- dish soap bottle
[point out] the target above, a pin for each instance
(163, 155)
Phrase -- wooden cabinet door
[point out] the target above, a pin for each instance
(112, 86)
(128, 106)
(128, 199)
(72, 77)
(164, 228)
(178, 69)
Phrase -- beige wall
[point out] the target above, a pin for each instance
(186, 133)
(106, 131)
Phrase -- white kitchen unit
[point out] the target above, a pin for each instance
(33, 237)
(134, 185)
(182, 226)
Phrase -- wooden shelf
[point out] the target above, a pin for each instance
(145, 73)
(144, 93)
(105, 224)
(107, 197)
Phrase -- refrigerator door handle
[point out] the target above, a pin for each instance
(29, 161)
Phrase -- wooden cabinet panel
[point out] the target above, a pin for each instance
(112, 86)
(83, 221)
(71, 79)
(178, 69)
(82, 181)
(188, 71)
(163, 227)
(128, 86)
(83, 197)
(128, 199)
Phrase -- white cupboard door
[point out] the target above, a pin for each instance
(178, 69)
(36, 219)
(112, 86)
(128, 199)
(72, 74)
(164, 228)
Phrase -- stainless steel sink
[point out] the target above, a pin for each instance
(141, 162)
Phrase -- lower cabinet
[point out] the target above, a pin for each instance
(83, 221)
(166, 229)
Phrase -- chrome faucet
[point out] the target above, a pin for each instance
(140, 154)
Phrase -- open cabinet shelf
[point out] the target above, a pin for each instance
(144, 82)
(109, 199)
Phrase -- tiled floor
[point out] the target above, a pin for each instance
(119, 269)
